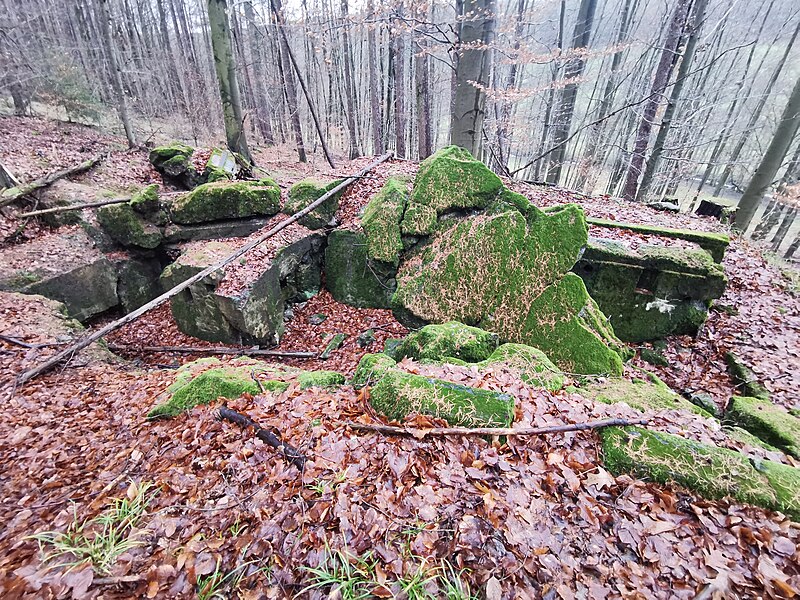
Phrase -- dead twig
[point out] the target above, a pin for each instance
(60, 209)
(15, 193)
(444, 431)
(211, 350)
(289, 453)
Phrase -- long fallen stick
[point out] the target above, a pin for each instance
(60, 209)
(442, 431)
(15, 193)
(292, 455)
(68, 352)
(211, 350)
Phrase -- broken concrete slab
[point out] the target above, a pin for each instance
(769, 422)
(63, 266)
(224, 200)
(307, 191)
(352, 276)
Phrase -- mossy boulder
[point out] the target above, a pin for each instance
(532, 364)
(174, 162)
(452, 339)
(710, 471)
(322, 379)
(650, 394)
(145, 201)
(381, 221)
(352, 277)
(307, 191)
(227, 200)
(769, 422)
(371, 368)
(398, 394)
(128, 227)
(228, 381)
(507, 272)
(449, 179)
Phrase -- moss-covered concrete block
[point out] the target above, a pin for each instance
(145, 201)
(398, 394)
(745, 380)
(352, 277)
(323, 379)
(641, 394)
(129, 228)
(174, 162)
(371, 368)
(785, 481)
(381, 221)
(771, 423)
(452, 339)
(449, 179)
(307, 191)
(533, 366)
(227, 200)
(137, 281)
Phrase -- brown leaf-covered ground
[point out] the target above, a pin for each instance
(538, 516)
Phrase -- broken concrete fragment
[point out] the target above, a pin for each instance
(452, 339)
(307, 191)
(710, 471)
(352, 277)
(129, 228)
(174, 162)
(333, 344)
(449, 179)
(398, 394)
(745, 380)
(226, 200)
(769, 422)
(381, 221)
(653, 291)
(65, 267)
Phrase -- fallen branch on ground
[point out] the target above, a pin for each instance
(443, 431)
(15, 193)
(212, 350)
(69, 352)
(60, 209)
(291, 455)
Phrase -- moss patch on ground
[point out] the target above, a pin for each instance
(227, 200)
(307, 191)
(398, 394)
(449, 179)
(640, 394)
(452, 339)
(381, 221)
(769, 422)
(323, 379)
(710, 471)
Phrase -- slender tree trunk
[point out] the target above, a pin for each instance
(504, 119)
(350, 91)
(472, 74)
(551, 94)
(288, 81)
(771, 162)
(115, 74)
(258, 79)
(399, 89)
(696, 24)
(422, 93)
(790, 251)
(225, 64)
(786, 225)
(662, 75)
(755, 115)
(770, 218)
(374, 83)
(572, 71)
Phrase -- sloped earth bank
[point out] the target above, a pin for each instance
(531, 517)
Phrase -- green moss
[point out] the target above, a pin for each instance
(785, 480)
(145, 201)
(164, 153)
(449, 179)
(227, 200)
(773, 424)
(381, 221)
(333, 344)
(745, 380)
(642, 395)
(392, 346)
(743, 436)
(352, 277)
(307, 191)
(713, 243)
(205, 388)
(664, 458)
(127, 227)
(216, 174)
(534, 367)
(654, 357)
(449, 339)
(398, 394)
(370, 369)
(322, 379)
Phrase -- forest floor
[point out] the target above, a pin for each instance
(524, 518)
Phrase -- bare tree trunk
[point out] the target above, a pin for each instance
(472, 74)
(771, 162)
(374, 83)
(422, 92)
(770, 218)
(504, 118)
(694, 26)
(755, 115)
(572, 71)
(288, 81)
(790, 251)
(662, 75)
(115, 74)
(262, 97)
(551, 94)
(348, 83)
(786, 225)
(399, 89)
